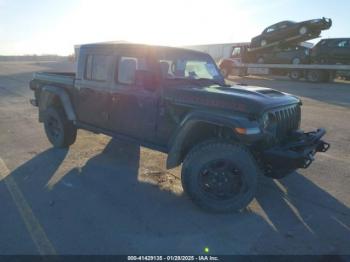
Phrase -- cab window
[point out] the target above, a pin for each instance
(88, 67)
(343, 43)
(236, 52)
(270, 29)
(283, 26)
(96, 67)
(323, 42)
(127, 67)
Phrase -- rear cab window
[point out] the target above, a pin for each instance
(96, 68)
(343, 43)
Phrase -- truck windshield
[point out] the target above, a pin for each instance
(188, 68)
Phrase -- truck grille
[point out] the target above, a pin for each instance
(287, 119)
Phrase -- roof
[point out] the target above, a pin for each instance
(282, 22)
(337, 38)
(124, 44)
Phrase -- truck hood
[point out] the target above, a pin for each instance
(246, 99)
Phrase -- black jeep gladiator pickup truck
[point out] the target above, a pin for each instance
(176, 101)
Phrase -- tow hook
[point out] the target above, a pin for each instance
(34, 102)
(308, 160)
(323, 147)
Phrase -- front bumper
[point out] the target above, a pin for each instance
(298, 153)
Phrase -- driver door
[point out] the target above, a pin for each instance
(134, 109)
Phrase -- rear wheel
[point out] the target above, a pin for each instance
(315, 76)
(303, 30)
(296, 61)
(321, 60)
(295, 74)
(261, 60)
(328, 76)
(263, 42)
(219, 176)
(59, 130)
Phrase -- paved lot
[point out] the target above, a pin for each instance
(107, 197)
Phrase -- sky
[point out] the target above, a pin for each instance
(55, 26)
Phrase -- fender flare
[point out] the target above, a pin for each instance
(46, 95)
(177, 141)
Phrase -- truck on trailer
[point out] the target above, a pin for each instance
(282, 42)
(239, 63)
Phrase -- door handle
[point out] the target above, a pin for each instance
(85, 92)
(114, 99)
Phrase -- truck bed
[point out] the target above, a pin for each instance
(63, 78)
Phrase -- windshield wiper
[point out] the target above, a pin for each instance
(197, 81)
(212, 81)
(190, 80)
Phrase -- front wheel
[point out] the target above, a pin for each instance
(296, 61)
(59, 130)
(303, 30)
(219, 176)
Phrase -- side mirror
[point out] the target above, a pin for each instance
(146, 79)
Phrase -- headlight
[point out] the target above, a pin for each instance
(268, 122)
(265, 121)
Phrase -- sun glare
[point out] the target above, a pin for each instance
(159, 22)
(162, 22)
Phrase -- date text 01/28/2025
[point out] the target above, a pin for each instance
(173, 258)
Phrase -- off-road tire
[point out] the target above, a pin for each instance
(65, 133)
(212, 150)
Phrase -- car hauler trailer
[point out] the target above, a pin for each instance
(240, 59)
(312, 72)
